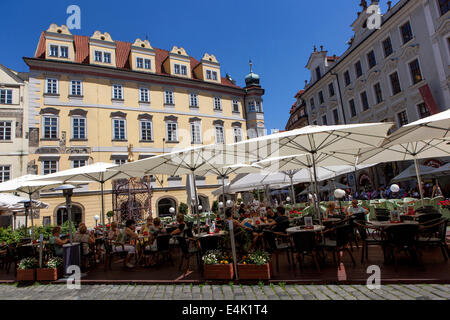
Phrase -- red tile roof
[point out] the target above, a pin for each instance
(299, 93)
(123, 49)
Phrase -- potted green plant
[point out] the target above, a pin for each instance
(26, 270)
(52, 270)
(110, 215)
(216, 265)
(255, 266)
(183, 208)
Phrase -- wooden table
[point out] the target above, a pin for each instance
(317, 228)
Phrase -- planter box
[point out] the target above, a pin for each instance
(218, 271)
(253, 271)
(26, 275)
(44, 274)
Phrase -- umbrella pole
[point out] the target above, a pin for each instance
(316, 189)
(196, 202)
(419, 179)
(31, 215)
(103, 205)
(223, 194)
(292, 189)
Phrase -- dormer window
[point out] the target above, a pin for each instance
(59, 51)
(54, 51)
(318, 73)
(98, 56)
(208, 74)
(64, 52)
(139, 63)
(180, 69)
(147, 64)
(106, 57)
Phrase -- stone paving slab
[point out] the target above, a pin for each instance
(227, 292)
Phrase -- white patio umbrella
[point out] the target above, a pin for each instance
(425, 138)
(99, 172)
(411, 172)
(14, 203)
(28, 184)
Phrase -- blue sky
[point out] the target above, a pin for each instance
(278, 35)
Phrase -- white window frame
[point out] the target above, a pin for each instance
(196, 132)
(362, 102)
(390, 82)
(350, 108)
(237, 133)
(141, 130)
(193, 100)
(177, 68)
(43, 165)
(183, 70)
(79, 160)
(398, 118)
(107, 54)
(6, 93)
(258, 105)
(208, 75)
(98, 56)
(214, 75)
(51, 47)
(120, 92)
(114, 129)
(382, 46)
(72, 120)
(3, 169)
(51, 116)
(144, 93)
(120, 161)
(408, 67)
(72, 88)
(375, 93)
(217, 104)
(251, 106)
(169, 97)
(216, 129)
(139, 63)
(56, 81)
(3, 129)
(61, 51)
(400, 31)
(168, 124)
(148, 64)
(235, 103)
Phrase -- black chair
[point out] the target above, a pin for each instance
(189, 249)
(401, 238)
(208, 243)
(277, 247)
(162, 250)
(342, 236)
(369, 236)
(305, 243)
(434, 235)
(110, 253)
(424, 218)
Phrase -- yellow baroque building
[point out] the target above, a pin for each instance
(95, 99)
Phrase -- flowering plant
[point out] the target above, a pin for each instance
(54, 263)
(295, 213)
(216, 257)
(257, 257)
(445, 204)
(27, 264)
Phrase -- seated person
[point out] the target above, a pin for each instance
(270, 214)
(147, 227)
(155, 231)
(124, 241)
(84, 238)
(182, 229)
(79, 226)
(249, 224)
(113, 232)
(356, 210)
(229, 217)
(281, 221)
(56, 241)
(331, 210)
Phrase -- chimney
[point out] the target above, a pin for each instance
(389, 3)
(321, 48)
(315, 48)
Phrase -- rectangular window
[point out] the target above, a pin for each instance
(352, 106)
(395, 83)
(217, 103)
(78, 128)
(414, 68)
(331, 89)
(336, 116)
(208, 74)
(5, 96)
(54, 51)
(98, 56)
(364, 101)
(177, 69)
(117, 92)
(196, 133)
(183, 70)
(5, 130)
(119, 129)
(220, 138)
(423, 110)
(378, 93)
(146, 131)
(258, 106)
(120, 162)
(75, 88)
(52, 86)
(251, 106)
(49, 166)
(371, 59)
(321, 100)
(235, 106)
(347, 78)
(5, 173)
(406, 32)
(50, 127)
(358, 69)
(139, 63)
(172, 132)
(444, 6)
(148, 64)
(402, 118)
(237, 132)
(78, 163)
(387, 47)
(193, 100)
(214, 75)
(168, 97)
(324, 120)
(143, 95)
(311, 102)
(64, 52)
(106, 57)
(318, 73)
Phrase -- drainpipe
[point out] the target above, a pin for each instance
(340, 96)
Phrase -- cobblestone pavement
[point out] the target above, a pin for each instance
(225, 292)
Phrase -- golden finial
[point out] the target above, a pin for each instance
(130, 153)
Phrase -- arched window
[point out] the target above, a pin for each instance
(77, 215)
(164, 205)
